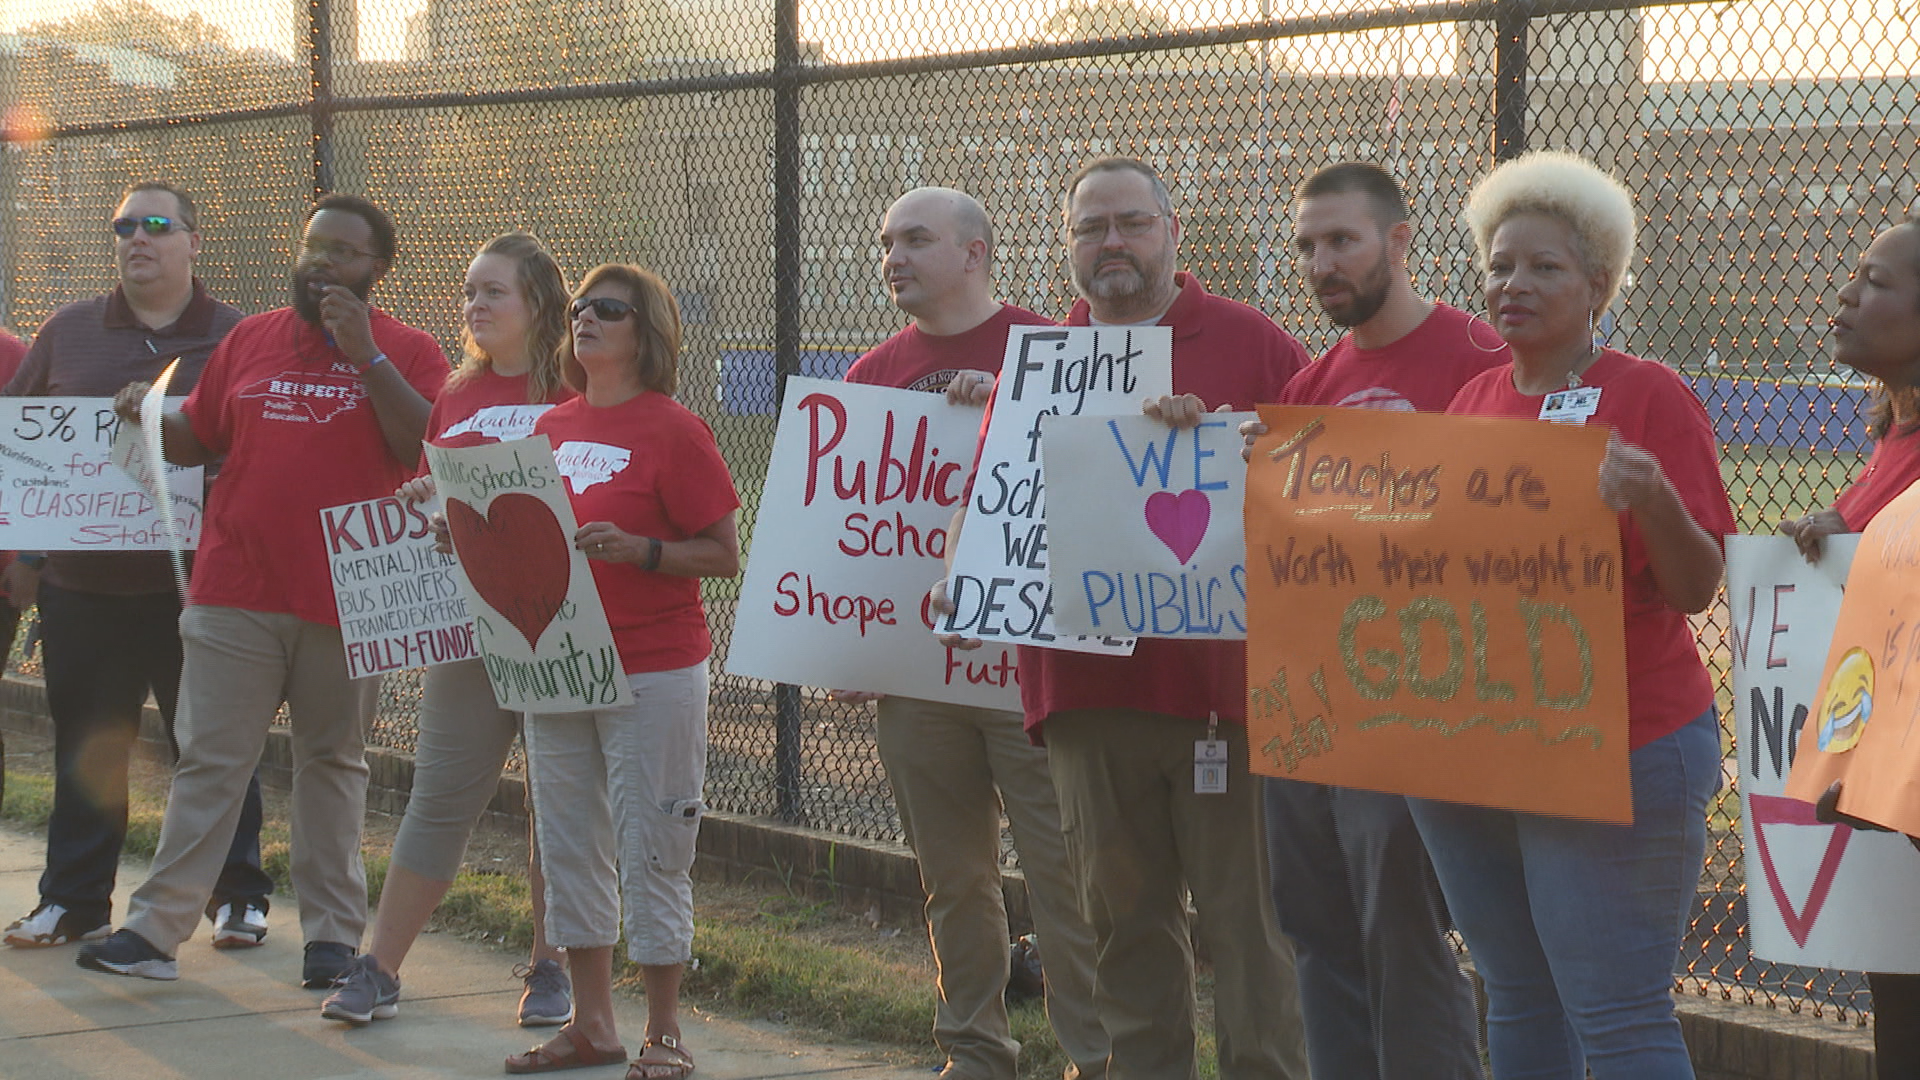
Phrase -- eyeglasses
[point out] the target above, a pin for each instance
(605, 308)
(332, 251)
(154, 225)
(1089, 230)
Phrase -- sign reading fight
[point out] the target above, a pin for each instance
(1817, 895)
(852, 531)
(1143, 526)
(999, 585)
(536, 614)
(60, 489)
(1861, 730)
(1434, 609)
(400, 601)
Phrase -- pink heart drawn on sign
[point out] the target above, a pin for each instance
(516, 558)
(1180, 521)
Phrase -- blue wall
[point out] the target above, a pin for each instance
(1807, 414)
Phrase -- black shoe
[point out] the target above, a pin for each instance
(326, 962)
(127, 953)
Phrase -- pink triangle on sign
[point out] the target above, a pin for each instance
(1768, 810)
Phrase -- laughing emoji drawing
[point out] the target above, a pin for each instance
(1848, 702)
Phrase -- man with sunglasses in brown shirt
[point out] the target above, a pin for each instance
(109, 628)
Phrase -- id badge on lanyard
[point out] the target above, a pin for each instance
(1210, 761)
(1575, 405)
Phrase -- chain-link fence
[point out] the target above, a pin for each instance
(746, 148)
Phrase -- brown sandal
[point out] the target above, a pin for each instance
(580, 1054)
(673, 1063)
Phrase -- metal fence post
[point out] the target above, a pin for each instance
(1510, 80)
(786, 337)
(320, 67)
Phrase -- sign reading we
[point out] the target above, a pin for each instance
(1434, 609)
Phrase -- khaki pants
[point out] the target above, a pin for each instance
(461, 747)
(240, 665)
(945, 764)
(1140, 839)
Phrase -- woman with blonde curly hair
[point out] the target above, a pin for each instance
(1575, 926)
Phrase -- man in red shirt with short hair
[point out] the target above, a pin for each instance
(947, 762)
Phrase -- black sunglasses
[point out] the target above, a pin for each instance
(125, 227)
(605, 308)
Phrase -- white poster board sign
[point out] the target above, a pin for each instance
(999, 585)
(851, 533)
(536, 613)
(1817, 895)
(60, 489)
(400, 601)
(1144, 526)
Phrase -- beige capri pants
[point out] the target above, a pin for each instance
(459, 753)
(617, 808)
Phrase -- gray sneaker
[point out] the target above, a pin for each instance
(363, 994)
(549, 996)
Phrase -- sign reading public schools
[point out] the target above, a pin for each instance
(536, 613)
(61, 491)
(1434, 609)
(851, 532)
(1817, 895)
(400, 601)
(999, 585)
(1143, 526)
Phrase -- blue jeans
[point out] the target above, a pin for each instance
(1575, 926)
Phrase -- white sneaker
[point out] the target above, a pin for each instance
(51, 924)
(239, 925)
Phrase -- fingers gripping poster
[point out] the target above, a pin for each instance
(536, 614)
(851, 534)
(1143, 526)
(1864, 730)
(1434, 609)
(1817, 895)
(999, 586)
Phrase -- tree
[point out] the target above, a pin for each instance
(1082, 20)
(134, 24)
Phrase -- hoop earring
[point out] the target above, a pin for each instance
(1502, 347)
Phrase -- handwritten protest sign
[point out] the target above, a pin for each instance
(536, 614)
(1434, 609)
(1143, 526)
(400, 601)
(61, 491)
(1817, 895)
(1861, 730)
(852, 531)
(999, 585)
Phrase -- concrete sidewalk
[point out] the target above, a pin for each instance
(243, 1013)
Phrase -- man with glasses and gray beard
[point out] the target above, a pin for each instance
(1380, 984)
(306, 407)
(109, 621)
(1120, 730)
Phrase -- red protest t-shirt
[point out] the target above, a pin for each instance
(1894, 465)
(12, 351)
(486, 407)
(1226, 353)
(298, 433)
(1418, 373)
(915, 360)
(1652, 408)
(651, 468)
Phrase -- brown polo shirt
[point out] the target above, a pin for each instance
(92, 348)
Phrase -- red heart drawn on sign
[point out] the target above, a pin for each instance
(1180, 521)
(1775, 810)
(516, 557)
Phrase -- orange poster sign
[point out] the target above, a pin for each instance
(1862, 729)
(1434, 609)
